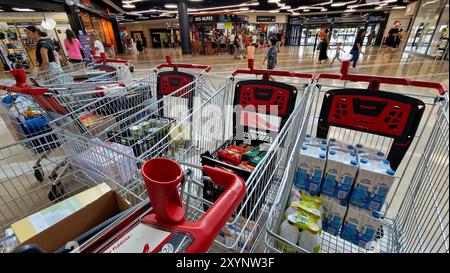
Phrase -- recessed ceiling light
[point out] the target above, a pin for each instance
(244, 9)
(22, 9)
(195, 0)
(379, 7)
(340, 4)
(1, 10)
(285, 7)
(128, 6)
(171, 6)
(349, 10)
(389, 1)
(273, 1)
(306, 10)
(399, 7)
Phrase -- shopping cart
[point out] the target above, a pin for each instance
(100, 69)
(414, 135)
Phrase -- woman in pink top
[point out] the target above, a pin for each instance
(73, 47)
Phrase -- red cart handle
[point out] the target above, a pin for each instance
(253, 71)
(207, 68)
(21, 86)
(345, 76)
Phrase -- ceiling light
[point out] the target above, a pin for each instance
(285, 7)
(273, 1)
(324, 9)
(349, 10)
(244, 9)
(170, 6)
(379, 7)
(128, 6)
(399, 7)
(324, 4)
(389, 1)
(306, 10)
(340, 4)
(22, 9)
(1, 10)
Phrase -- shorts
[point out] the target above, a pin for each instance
(222, 45)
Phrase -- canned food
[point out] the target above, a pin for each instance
(145, 125)
(136, 131)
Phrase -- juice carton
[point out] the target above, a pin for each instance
(310, 169)
(360, 226)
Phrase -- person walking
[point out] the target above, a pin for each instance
(222, 42)
(73, 47)
(139, 45)
(271, 55)
(357, 47)
(324, 46)
(391, 43)
(46, 56)
(338, 52)
(98, 46)
(237, 48)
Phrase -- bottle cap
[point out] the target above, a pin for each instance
(353, 162)
(323, 148)
(390, 172)
(359, 145)
(380, 153)
(308, 135)
(376, 214)
(332, 139)
(322, 156)
(324, 142)
(353, 154)
(386, 161)
(351, 147)
(304, 147)
(332, 152)
(364, 160)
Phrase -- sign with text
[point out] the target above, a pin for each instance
(266, 19)
(201, 19)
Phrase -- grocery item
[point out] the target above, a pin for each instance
(291, 233)
(309, 241)
(310, 169)
(333, 214)
(372, 184)
(340, 173)
(264, 147)
(229, 156)
(366, 152)
(136, 132)
(314, 141)
(246, 166)
(255, 161)
(295, 196)
(249, 155)
(360, 226)
(340, 146)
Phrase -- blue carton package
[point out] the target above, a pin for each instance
(360, 226)
(337, 145)
(373, 182)
(366, 152)
(310, 169)
(340, 173)
(333, 214)
(314, 141)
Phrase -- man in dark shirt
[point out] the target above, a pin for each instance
(357, 47)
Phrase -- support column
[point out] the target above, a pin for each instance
(73, 14)
(183, 19)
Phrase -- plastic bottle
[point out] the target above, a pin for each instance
(309, 241)
(289, 232)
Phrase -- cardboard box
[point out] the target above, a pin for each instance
(53, 227)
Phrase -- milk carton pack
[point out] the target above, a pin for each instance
(373, 182)
(314, 141)
(337, 145)
(310, 169)
(360, 226)
(333, 214)
(340, 173)
(369, 153)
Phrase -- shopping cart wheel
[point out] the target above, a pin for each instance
(56, 192)
(38, 172)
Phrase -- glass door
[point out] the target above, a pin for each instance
(294, 38)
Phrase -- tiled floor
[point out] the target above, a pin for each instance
(297, 59)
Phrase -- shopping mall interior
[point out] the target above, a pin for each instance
(110, 87)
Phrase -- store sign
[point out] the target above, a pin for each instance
(266, 19)
(200, 19)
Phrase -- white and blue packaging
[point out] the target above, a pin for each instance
(360, 226)
(366, 152)
(337, 145)
(373, 182)
(340, 173)
(314, 141)
(333, 214)
(310, 169)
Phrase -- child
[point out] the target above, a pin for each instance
(271, 55)
(338, 52)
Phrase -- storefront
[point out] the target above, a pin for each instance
(16, 50)
(264, 25)
(429, 33)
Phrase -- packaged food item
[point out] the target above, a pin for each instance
(333, 214)
(340, 173)
(249, 155)
(337, 145)
(360, 226)
(245, 147)
(244, 165)
(309, 241)
(366, 152)
(314, 141)
(310, 169)
(136, 132)
(373, 182)
(264, 147)
(291, 233)
(255, 161)
(229, 156)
